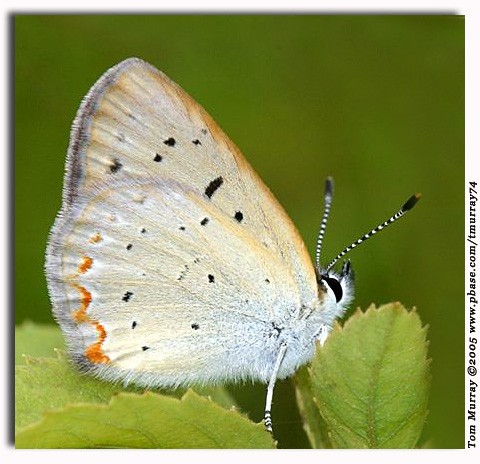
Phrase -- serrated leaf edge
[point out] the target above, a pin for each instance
(370, 312)
(189, 395)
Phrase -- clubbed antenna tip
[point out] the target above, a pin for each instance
(411, 202)
(329, 187)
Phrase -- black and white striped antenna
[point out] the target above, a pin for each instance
(409, 204)
(328, 202)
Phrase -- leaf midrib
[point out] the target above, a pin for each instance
(373, 389)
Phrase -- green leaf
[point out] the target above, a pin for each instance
(370, 380)
(149, 420)
(219, 394)
(313, 423)
(37, 340)
(46, 383)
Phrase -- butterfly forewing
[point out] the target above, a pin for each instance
(168, 242)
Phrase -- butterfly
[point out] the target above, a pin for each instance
(170, 262)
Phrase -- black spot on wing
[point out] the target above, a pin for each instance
(195, 326)
(129, 246)
(182, 227)
(196, 142)
(213, 186)
(184, 272)
(157, 158)
(134, 324)
(204, 221)
(211, 278)
(239, 216)
(143, 230)
(170, 142)
(115, 166)
(145, 348)
(127, 296)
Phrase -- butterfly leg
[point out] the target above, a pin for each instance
(322, 334)
(271, 384)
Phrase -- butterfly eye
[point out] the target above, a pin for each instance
(334, 285)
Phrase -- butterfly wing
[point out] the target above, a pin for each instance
(170, 261)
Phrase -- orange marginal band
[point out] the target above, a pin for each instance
(93, 352)
(81, 314)
(85, 265)
(96, 238)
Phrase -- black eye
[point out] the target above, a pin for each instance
(334, 284)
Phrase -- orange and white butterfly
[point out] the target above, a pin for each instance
(171, 263)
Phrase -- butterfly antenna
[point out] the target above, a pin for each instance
(328, 202)
(409, 204)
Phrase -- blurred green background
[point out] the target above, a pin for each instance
(375, 101)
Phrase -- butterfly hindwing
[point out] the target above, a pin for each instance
(170, 258)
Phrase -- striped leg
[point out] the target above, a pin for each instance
(271, 384)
